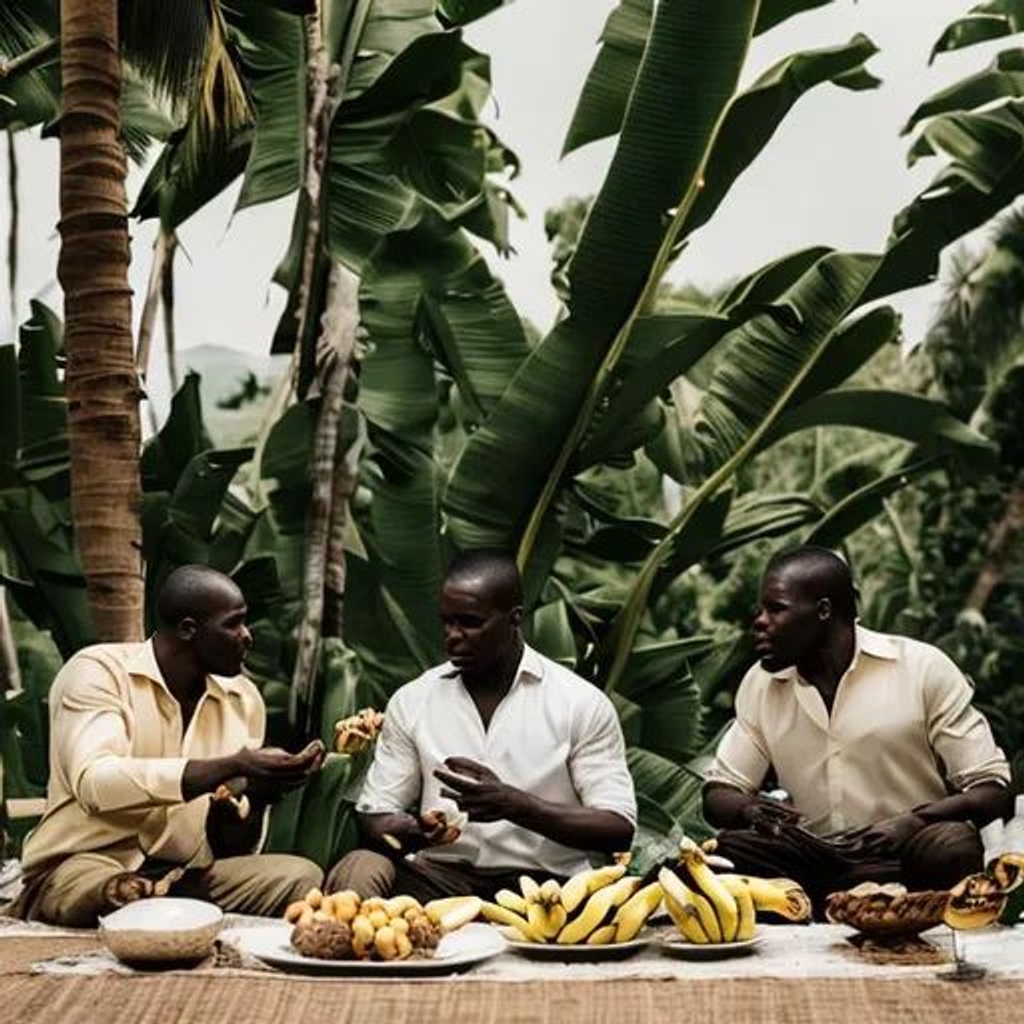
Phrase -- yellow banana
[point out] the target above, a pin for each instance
(440, 908)
(554, 920)
(586, 883)
(680, 907)
(596, 909)
(502, 915)
(709, 885)
(603, 936)
(744, 904)
(510, 900)
(550, 893)
(538, 918)
(684, 896)
(455, 915)
(529, 887)
(631, 916)
(780, 896)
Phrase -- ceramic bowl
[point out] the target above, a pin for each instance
(162, 930)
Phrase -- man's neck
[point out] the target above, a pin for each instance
(825, 666)
(499, 680)
(185, 680)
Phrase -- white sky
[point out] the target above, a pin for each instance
(834, 174)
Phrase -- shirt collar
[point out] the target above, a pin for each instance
(142, 662)
(530, 670)
(866, 641)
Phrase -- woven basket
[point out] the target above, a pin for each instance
(886, 910)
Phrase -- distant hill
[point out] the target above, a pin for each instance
(228, 378)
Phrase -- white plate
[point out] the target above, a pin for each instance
(458, 951)
(579, 953)
(685, 950)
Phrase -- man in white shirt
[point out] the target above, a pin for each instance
(530, 752)
(888, 767)
(142, 735)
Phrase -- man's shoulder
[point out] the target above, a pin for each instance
(556, 676)
(102, 659)
(906, 650)
(423, 687)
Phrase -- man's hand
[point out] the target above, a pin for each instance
(769, 816)
(479, 792)
(270, 772)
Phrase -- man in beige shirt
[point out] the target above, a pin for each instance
(888, 768)
(142, 735)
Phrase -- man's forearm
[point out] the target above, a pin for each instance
(582, 828)
(980, 804)
(206, 774)
(725, 806)
(399, 826)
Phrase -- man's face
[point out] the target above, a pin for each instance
(790, 623)
(221, 638)
(478, 632)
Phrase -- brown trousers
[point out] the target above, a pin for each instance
(72, 893)
(373, 874)
(936, 857)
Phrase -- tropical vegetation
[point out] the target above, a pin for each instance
(639, 457)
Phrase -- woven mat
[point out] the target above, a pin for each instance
(208, 999)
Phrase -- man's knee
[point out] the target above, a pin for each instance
(299, 874)
(364, 872)
(942, 853)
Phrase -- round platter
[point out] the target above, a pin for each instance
(684, 950)
(457, 952)
(581, 953)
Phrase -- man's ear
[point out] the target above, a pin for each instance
(187, 628)
(516, 616)
(825, 609)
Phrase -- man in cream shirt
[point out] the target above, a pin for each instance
(889, 768)
(141, 737)
(530, 752)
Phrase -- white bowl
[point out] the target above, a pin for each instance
(162, 929)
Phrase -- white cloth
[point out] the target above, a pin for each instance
(901, 733)
(554, 735)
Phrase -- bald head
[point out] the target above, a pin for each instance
(194, 592)
(488, 572)
(818, 573)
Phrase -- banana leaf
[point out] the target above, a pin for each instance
(983, 22)
(602, 103)
(1004, 78)
(692, 63)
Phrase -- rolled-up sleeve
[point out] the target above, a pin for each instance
(742, 758)
(393, 782)
(958, 732)
(91, 740)
(597, 763)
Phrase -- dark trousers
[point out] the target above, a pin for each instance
(373, 874)
(936, 857)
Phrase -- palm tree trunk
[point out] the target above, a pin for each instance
(101, 382)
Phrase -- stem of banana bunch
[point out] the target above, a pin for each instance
(602, 379)
(632, 611)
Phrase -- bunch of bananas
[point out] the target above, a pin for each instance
(356, 733)
(341, 926)
(598, 906)
(710, 907)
